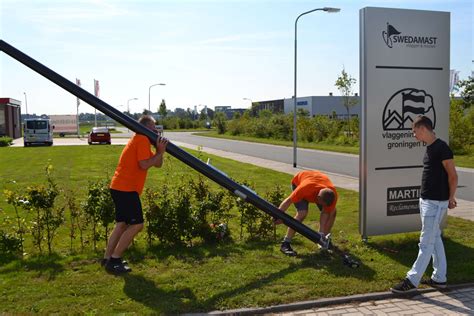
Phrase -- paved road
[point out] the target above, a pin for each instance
(338, 163)
(344, 164)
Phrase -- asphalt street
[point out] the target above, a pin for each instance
(337, 163)
(344, 164)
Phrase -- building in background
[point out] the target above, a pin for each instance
(275, 106)
(330, 105)
(10, 114)
(314, 105)
(229, 111)
(222, 108)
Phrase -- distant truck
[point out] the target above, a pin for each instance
(37, 131)
(64, 124)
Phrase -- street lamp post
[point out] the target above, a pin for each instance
(251, 102)
(326, 9)
(149, 88)
(26, 104)
(128, 104)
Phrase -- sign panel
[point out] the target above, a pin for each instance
(404, 60)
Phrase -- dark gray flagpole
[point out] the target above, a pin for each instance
(210, 172)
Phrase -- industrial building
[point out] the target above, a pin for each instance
(314, 105)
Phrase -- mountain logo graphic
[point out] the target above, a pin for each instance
(387, 35)
(404, 106)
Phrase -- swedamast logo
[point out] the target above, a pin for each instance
(391, 36)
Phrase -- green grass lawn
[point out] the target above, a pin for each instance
(466, 160)
(201, 278)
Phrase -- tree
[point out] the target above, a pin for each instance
(162, 111)
(220, 120)
(203, 114)
(467, 93)
(345, 84)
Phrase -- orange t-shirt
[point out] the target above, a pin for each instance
(308, 184)
(128, 176)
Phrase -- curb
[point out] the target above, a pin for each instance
(358, 298)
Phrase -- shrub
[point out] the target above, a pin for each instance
(187, 211)
(220, 121)
(211, 212)
(159, 215)
(6, 141)
(77, 219)
(257, 224)
(99, 206)
(10, 245)
(461, 127)
(48, 218)
(17, 202)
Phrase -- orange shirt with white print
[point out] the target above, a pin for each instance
(308, 184)
(128, 176)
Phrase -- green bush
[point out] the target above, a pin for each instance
(461, 127)
(10, 245)
(188, 211)
(100, 208)
(6, 141)
(159, 216)
(17, 201)
(220, 120)
(257, 224)
(48, 217)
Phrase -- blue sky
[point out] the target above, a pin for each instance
(213, 53)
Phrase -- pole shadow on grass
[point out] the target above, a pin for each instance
(317, 261)
(146, 292)
(460, 257)
(197, 253)
(47, 266)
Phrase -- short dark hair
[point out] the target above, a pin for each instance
(145, 119)
(422, 120)
(328, 196)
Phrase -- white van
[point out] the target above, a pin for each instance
(37, 131)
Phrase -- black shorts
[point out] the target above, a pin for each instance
(303, 205)
(128, 207)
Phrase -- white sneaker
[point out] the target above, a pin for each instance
(325, 242)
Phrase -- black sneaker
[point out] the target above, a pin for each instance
(436, 285)
(404, 286)
(286, 249)
(117, 268)
(103, 262)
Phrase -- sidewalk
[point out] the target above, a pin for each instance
(465, 209)
(458, 300)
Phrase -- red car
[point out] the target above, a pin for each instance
(99, 135)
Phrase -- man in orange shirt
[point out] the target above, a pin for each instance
(126, 186)
(310, 187)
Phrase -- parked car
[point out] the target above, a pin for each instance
(37, 131)
(99, 135)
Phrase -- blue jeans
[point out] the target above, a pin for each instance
(431, 245)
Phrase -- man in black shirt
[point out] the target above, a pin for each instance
(438, 187)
